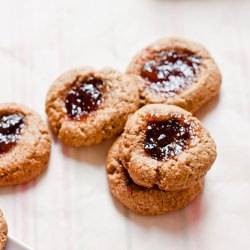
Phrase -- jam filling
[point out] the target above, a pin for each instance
(169, 137)
(11, 126)
(84, 97)
(168, 72)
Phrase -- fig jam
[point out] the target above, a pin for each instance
(84, 97)
(168, 137)
(168, 72)
(11, 126)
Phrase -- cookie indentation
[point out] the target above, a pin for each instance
(84, 97)
(168, 137)
(11, 126)
(168, 72)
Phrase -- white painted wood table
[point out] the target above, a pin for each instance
(70, 206)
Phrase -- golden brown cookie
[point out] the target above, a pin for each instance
(164, 145)
(3, 231)
(24, 144)
(145, 201)
(176, 71)
(86, 106)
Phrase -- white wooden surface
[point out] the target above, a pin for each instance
(70, 207)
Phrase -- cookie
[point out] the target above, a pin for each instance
(164, 145)
(145, 201)
(86, 106)
(176, 71)
(24, 144)
(3, 231)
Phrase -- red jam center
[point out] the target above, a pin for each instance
(84, 97)
(168, 72)
(167, 138)
(11, 126)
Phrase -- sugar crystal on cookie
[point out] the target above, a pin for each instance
(168, 137)
(168, 72)
(84, 97)
(11, 126)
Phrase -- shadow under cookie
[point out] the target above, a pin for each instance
(94, 155)
(175, 222)
(208, 107)
(6, 190)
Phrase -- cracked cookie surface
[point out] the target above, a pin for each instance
(28, 135)
(176, 71)
(178, 154)
(145, 201)
(86, 106)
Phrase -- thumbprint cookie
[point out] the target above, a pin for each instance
(86, 106)
(165, 146)
(24, 144)
(176, 71)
